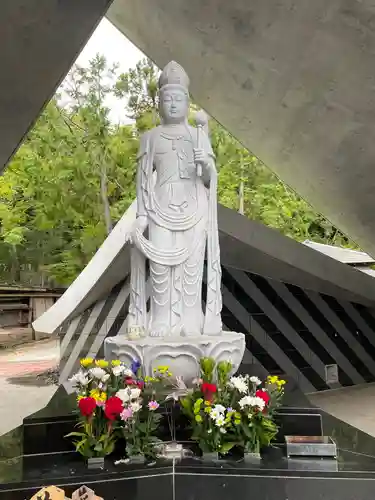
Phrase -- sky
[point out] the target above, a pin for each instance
(110, 42)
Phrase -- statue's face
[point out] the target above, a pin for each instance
(174, 105)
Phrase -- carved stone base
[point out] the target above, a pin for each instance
(181, 354)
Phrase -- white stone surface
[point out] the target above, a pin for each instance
(181, 354)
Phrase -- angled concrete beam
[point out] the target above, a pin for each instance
(245, 245)
(39, 39)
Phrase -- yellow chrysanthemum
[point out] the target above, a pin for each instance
(98, 395)
(163, 368)
(272, 379)
(150, 379)
(85, 362)
(208, 409)
(198, 418)
(237, 422)
(207, 403)
(237, 415)
(102, 363)
(115, 362)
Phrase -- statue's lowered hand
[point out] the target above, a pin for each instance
(141, 224)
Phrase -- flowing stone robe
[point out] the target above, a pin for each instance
(181, 209)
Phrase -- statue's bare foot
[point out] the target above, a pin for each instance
(158, 331)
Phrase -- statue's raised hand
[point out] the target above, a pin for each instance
(201, 157)
(139, 223)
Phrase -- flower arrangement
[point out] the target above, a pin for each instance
(255, 402)
(96, 385)
(225, 411)
(112, 400)
(141, 399)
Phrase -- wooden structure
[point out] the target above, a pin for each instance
(20, 306)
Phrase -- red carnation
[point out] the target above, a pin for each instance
(113, 407)
(87, 406)
(130, 381)
(208, 391)
(263, 395)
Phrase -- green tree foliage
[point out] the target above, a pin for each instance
(140, 86)
(74, 177)
(69, 182)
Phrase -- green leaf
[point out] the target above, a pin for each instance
(225, 447)
(76, 434)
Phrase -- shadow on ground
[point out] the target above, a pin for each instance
(36, 380)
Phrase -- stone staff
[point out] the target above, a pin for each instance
(201, 120)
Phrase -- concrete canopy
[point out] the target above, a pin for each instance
(293, 81)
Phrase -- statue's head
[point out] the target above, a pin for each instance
(173, 94)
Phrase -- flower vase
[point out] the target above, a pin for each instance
(210, 456)
(137, 459)
(95, 463)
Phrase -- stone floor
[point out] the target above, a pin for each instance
(22, 391)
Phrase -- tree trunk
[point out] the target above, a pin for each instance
(104, 196)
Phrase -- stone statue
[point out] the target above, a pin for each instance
(176, 196)
(174, 232)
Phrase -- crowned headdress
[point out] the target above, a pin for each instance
(174, 75)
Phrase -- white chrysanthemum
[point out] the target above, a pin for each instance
(219, 408)
(259, 402)
(240, 384)
(118, 370)
(124, 395)
(222, 430)
(252, 401)
(97, 372)
(135, 406)
(214, 414)
(105, 378)
(255, 380)
(220, 421)
(245, 401)
(217, 411)
(135, 393)
(79, 378)
(128, 373)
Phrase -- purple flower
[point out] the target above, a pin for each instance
(153, 405)
(135, 366)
